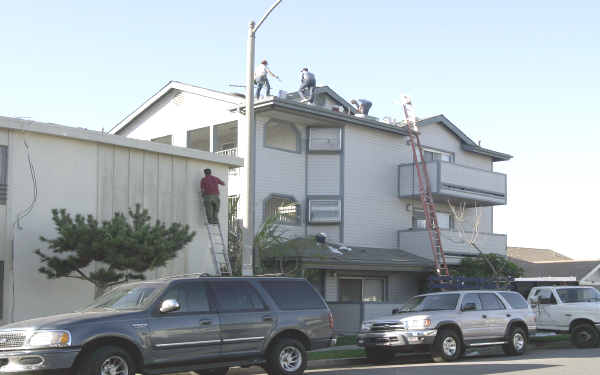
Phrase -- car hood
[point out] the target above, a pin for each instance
(63, 321)
(411, 315)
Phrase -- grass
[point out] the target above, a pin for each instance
(336, 354)
(553, 338)
(346, 340)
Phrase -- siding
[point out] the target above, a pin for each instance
(323, 174)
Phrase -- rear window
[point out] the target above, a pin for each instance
(293, 295)
(515, 300)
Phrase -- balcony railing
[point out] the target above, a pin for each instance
(228, 152)
(454, 182)
(416, 241)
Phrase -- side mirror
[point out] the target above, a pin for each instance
(469, 306)
(395, 311)
(534, 300)
(169, 305)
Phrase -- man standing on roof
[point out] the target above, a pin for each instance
(210, 192)
(308, 85)
(261, 79)
(363, 106)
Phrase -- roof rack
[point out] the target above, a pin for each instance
(204, 274)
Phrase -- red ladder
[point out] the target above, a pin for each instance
(427, 200)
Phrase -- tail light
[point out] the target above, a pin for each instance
(330, 320)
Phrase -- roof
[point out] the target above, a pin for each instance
(565, 268)
(338, 256)
(534, 255)
(100, 137)
(328, 91)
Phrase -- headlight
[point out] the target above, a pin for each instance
(366, 326)
(45, 339)
(418, 324)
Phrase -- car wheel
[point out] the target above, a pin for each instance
(447, 347)
(584, 335)
(112, 360)
(213, 371)
(287, 356)
(379, 355)
(517, 342)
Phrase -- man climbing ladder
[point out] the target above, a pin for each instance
(210, 192)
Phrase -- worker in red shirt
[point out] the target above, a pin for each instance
(210, 192)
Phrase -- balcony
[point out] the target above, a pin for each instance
(456, 183)
(227, 152)
(416, 241)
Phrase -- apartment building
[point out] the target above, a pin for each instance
(322, 169)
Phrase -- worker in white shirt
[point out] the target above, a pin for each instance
(261, 79)
(363, 105)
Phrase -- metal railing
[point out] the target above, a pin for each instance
(227, 152)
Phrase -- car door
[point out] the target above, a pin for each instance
(472, 322)
(190, 333)
(546, 308)
(496, 315)
(245, 317)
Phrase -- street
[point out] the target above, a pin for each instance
(540, 361)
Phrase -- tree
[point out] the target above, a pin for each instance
(477, 267)
(123, 250)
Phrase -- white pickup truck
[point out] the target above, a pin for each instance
(568, 309)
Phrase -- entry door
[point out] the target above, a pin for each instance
(497, 316)
(473, 325)
(191, 333)
(245, 318)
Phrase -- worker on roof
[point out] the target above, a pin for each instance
(261, 78)
(363, 106)
(210, 192)
(307, 86)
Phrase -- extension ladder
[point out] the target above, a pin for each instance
(217, 247)
(427, 199)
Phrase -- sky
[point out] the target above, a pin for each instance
(522, 77)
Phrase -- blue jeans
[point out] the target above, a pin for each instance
(307, 86)
(264, 81)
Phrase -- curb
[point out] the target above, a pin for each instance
(325, 363)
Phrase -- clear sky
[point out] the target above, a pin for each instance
(521, 76)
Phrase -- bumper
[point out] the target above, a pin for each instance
(397, 338)
(30, 361)
(323, 343)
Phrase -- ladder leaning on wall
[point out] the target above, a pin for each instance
(217, 246)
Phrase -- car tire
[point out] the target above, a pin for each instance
(213, 371)
(584, 335)
(517, 342)
(287, 356)
(103, 359)
(447, 346)
(379, 355)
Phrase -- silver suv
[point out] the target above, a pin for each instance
(447, 323)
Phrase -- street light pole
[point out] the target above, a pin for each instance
(249, 165)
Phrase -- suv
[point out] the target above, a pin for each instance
(447, 323)
(202, 324)
(568, 309)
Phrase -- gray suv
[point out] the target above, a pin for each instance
(447, 323)
(202, 324)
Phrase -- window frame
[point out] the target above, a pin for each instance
(362, 289)
(292, 126)
(288, 197)
(499, 299)
(3, 174)
(414, 219)
(337, 220)
(311, 149)
(439, 152)
(159, 139)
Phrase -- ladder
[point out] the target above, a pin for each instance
(217, 247)
(433, 229)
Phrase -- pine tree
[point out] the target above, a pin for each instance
(122, 249)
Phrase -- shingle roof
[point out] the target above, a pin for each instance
(564, 268)
(535, 255)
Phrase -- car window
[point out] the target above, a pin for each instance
(490, 301)
(237, 296)
(515, 300)
(546, 297)
(192, 297)
(293, 295)
(472, 297)
(431, 302)
(574, 295)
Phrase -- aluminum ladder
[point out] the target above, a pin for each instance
(217, 247)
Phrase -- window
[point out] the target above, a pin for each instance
(431, 155)
(431, 302)
(3, 174)
(282, 135)
(546, 297)
(445, 220)
(237, 296)
(515, 300)
(191, 296)
(362, 290)
(324, 211)
(575, 295)
(472, 298)
(293, 295)
(285, 208)
(199, 139)
(167, 139)
(489, 301)
(324, 139)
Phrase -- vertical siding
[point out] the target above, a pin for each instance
(331, 287)
(323, 174)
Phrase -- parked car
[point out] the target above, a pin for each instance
(447, 323)
(202, 324)
(568, 309)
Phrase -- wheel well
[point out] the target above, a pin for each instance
(291, 333)
(519, 324)
(127, 345)
(579, 321)
(452, 326)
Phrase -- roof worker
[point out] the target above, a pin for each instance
(210, 192)
(261, 78)
(363, 105)
(307, 86)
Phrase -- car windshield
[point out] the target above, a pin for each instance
(574, 295)
(127, 297)
(432, 302)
